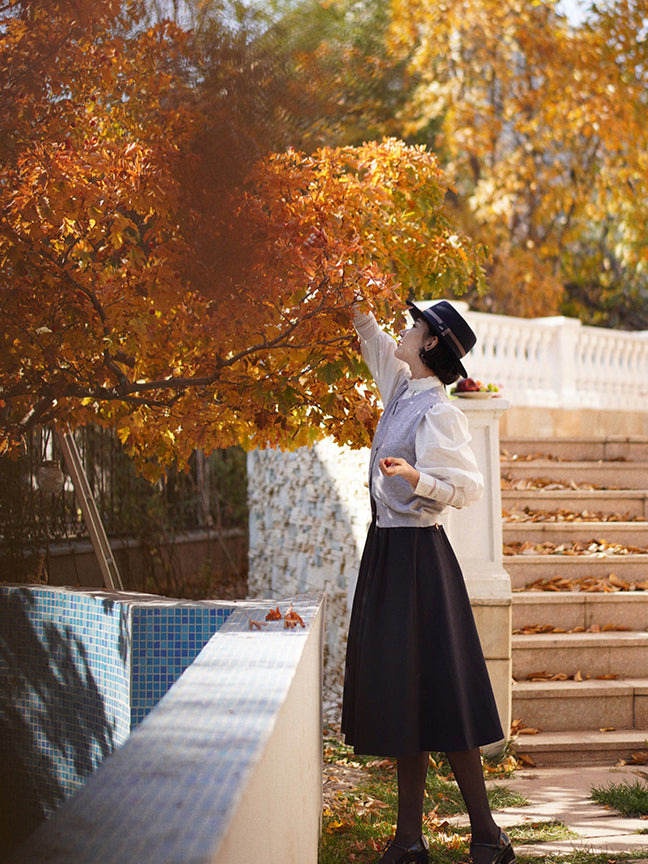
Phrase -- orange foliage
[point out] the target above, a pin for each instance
(543, 126)
(135, 295)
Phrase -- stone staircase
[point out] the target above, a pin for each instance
(586, 691)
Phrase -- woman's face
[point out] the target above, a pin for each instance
(411, 340)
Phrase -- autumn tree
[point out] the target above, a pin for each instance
(542, 128)
(335, 56)
(307, 73)
(139, 293)
(538, 123)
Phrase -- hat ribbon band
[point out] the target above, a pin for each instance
(447, 332)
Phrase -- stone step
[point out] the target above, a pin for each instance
(526, 569)
(561, 706)
(624, 533)
(581, 747)
(591, 654)
(633, 502)
(569, 609)
(570, 714)
(608, 475)
(579, 449)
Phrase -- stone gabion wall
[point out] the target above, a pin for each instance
(309, 513)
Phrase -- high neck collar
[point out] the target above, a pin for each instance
(418, 385)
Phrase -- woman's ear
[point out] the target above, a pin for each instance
(432, 342)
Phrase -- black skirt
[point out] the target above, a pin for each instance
(415, 677)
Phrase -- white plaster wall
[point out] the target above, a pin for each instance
(278, 818)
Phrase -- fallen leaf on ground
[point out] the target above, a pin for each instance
(599, 548)
(518, 727)
(537, 629)
(639, 758)
(292, 619)
(563, 676)
(527, 514)
(605, 584)
(526, 760)
(509, 482)
(255, 625)
(531, 457)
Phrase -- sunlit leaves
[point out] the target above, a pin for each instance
(136, 296)
(543, 127)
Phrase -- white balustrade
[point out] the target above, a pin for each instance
(558, 362)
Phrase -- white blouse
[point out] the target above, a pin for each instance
(447, 466)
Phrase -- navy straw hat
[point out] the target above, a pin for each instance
(452, 329)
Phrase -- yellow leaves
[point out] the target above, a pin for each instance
(363, 211)
(119, 228)
(607, 584)
(69, 226)
(108, 245)
(539, 122)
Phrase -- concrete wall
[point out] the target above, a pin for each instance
(141, 569)
(309, 513)
(527, 421)
(278, 818)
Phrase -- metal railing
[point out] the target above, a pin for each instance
(39, 507)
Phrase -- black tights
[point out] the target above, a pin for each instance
(467, 769)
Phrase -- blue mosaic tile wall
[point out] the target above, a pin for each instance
(177, 788)
(78, 671)
(165, 641)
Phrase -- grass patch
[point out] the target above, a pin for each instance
(444, 795)
(361, 799)
(629, 799)
(539, 832)
(577, 856)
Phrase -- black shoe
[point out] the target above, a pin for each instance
(417, 853)
(502, 850)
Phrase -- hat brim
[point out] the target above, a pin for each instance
(415, 312)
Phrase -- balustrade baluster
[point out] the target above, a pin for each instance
(559, 362)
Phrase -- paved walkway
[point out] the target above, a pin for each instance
(563, 794)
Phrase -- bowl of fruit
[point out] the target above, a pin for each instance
(469, 388)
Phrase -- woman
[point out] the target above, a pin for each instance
(416, 678)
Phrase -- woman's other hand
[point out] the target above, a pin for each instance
(393, 466)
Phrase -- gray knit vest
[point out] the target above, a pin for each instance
(394, 501)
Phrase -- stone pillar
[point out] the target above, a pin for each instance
(476, 536)
(563, 357)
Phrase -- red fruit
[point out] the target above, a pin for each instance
(467, 385)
